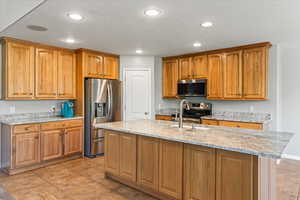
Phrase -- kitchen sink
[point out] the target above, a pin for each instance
(190, 127)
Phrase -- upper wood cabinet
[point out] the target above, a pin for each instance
(170, 78)
(255, 73)
(18, 71)
(46, 73)
(170, 168)
(66, 74)
(235, 176)
(232, 72)
(215, 76)
(199, 68)
(185, 70)
(111, 67)
(199, 173)
(94, 65)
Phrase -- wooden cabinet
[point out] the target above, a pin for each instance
(148, 162)
(210, 122)
(232, 73)
(26, 149)
(94, 65)
(128, 157)
(170, 78)
(255, 126)
(46, 73)
(66, 75)
(235, 176)
(163, 117)
(111, 67)
(112, 152)
(18, 71)
(255, 64)
(185, 69)
(170, 168)
(215, 76)
(199, 68)
(51, 144)
(199, 173)
(72, 140)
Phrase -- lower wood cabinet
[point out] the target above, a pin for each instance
(163, 117)
(148, 159)
(170, 168)
(235, 176)
(52, 144)
(199, 173)
(173, 170)
(30, 146)
(26, 149)
(245, 125)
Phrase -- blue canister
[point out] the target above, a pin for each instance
(67, 109)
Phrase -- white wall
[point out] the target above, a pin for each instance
(140, 62)
(269, 106)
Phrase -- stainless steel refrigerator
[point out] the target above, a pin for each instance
(102, 103)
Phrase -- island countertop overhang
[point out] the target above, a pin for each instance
(269, 144)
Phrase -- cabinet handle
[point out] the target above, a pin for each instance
(238, 126)
(36, 137)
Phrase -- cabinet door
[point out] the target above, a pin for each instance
(234, 176)
(26, 149)
(112, 152)
(66, 74)
(170, 168)
(185, 69)
(148, 158)
(46, 73)
(111, 67)
(199, 68)
(233, 75)
(215, 76)
(255, 73)
(128, 157)
(170, 78)
(52, 144)
(73, 140)
(19, 72)
(210, 122)
(94, 65)
(199, 173)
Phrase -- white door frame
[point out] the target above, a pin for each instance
(136, 68)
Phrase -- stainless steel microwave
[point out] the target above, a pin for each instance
(192, 88)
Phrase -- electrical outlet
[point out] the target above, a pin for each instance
(12, 109)
(52, 109)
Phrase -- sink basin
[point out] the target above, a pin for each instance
(190, 127)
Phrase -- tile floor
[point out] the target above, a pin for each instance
(83, 179)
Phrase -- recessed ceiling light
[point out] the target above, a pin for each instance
(70, 40)
(152, 12)
(206, 24)
(197, 44)
(139, 51)
(75, 16)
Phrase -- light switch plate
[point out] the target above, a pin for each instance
(12, 109)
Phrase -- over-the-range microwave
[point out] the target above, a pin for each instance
(192, 88)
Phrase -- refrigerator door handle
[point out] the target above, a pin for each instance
(110, 99)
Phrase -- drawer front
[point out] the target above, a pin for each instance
(163, 117)
(53, 125)
(242, 125)
(210, 122)
(74, 123)
(26, 128)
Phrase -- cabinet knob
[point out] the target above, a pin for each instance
(36, 137)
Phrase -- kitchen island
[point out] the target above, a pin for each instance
(195, 162)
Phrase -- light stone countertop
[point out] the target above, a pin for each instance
(261, 143)
(19, 121)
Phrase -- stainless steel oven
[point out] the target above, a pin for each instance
(192, 88)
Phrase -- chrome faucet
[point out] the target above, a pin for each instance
(182, 103)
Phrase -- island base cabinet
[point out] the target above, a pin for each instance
(112, 152)
(199, 173)
(236, 176)
(148, 158)
(170, 168)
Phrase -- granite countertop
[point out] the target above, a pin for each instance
(41, 119)
(261, 143)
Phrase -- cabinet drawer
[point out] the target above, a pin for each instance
(26, 128)
(241, 125)
(73, 123)
(53, 125)
(163, 117)
(210, 122)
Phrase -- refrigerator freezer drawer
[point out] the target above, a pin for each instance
(97, 146)
(98, 133)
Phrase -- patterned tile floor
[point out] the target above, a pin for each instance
(83, 179)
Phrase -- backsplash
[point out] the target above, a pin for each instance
(22, 116)
(243, 116)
